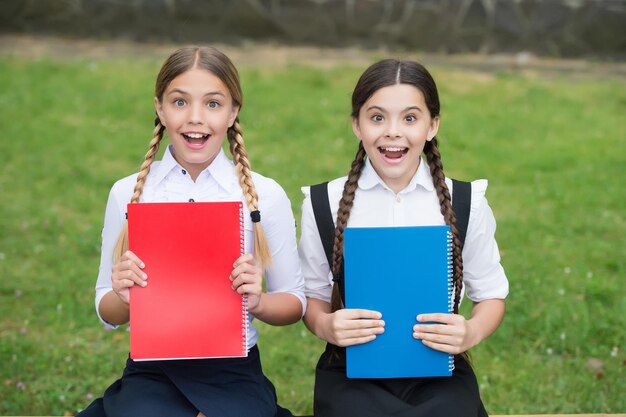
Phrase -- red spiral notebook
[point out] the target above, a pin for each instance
(188, 309)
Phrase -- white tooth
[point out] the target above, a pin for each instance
(195, 135)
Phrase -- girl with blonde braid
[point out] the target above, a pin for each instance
(395, 116)
(197, 100)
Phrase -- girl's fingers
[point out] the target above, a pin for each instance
(355, 326)
(356, 334)
(442, 347)
(130, 268)
(363, 324)
(435, 338)
(358, 313)
(436, 317)
(246, 278)
(136, 276)
(245, 268)
(247, 284)
(246, 259)
(445, 324)
(129, 255)
(125, 283)
(356, 341)
(434, 328)
(357, 337)
(248, 289)
(342, 324)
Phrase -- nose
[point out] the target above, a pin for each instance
(392, 130)
(195, 114)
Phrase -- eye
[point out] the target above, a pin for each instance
(377, 118)
(213, 104)
(179, 102)
(410, 118)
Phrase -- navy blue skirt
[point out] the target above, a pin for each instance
(339, 396)
(217, 387)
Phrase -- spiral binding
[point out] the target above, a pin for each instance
(450, 290)
(244, 298)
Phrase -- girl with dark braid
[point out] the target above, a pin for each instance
(395, 116)
(197, 99)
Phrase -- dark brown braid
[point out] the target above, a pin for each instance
(439, 180)
(343, 214)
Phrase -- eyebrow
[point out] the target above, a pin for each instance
(210, 93)
(403, 111)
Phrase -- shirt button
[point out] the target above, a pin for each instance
(397, 199)
(191, 200)
(184, 172)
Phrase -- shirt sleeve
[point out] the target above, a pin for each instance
(284, 273)
(483, 275)
(315, 268)
(114, 218)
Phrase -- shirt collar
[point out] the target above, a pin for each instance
(221, 169)
(369, 178)
(167, 164)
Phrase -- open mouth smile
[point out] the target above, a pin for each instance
(196, 139)
(393, 152)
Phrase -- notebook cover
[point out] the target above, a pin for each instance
(188, 309)
(400, 272)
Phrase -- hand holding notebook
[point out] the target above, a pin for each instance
(247, 278)
(451, 333)
(352, 326)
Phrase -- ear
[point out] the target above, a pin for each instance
(356, 128)
(434, 128)
(233, 115)
(158, 106)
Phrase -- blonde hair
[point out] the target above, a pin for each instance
(220, 65)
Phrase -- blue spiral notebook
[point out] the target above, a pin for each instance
(401, 272)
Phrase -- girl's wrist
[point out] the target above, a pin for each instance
(324, 323)
(257, 310)
(122, 302)
(473, 330)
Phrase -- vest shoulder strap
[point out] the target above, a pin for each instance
(461, 204)
(323, 218)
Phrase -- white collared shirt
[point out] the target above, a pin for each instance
(169, 182)
(375, 204)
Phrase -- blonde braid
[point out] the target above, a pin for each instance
(122, 241)
(445, 201)
(242, 164)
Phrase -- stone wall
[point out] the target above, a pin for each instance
(561, 28)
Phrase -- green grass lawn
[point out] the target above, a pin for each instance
(553, 148)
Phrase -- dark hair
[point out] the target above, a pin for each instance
(221, 66)
(383, 74)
